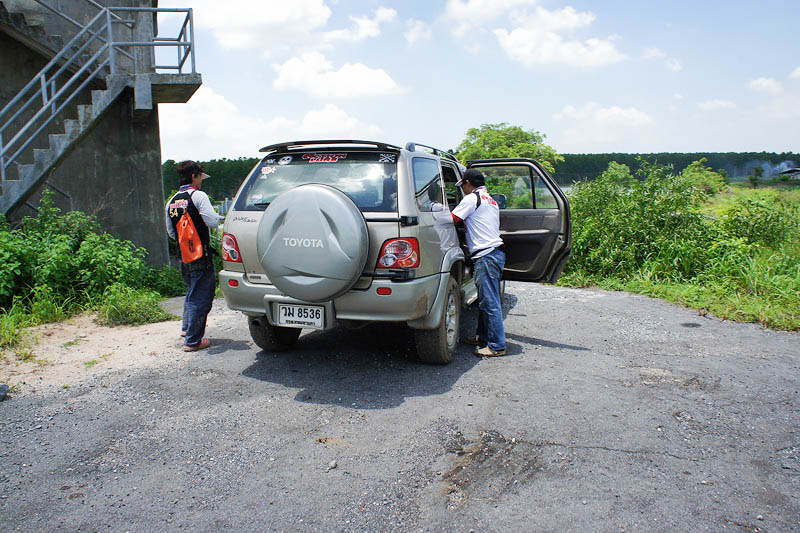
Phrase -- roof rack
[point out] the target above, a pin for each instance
(412, 147)
(295, 145)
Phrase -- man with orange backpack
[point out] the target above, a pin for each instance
(190, 216)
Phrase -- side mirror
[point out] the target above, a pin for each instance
(501, 200)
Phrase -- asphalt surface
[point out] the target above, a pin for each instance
(611, 412)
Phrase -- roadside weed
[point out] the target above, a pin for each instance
(123, 305)
(690, 239)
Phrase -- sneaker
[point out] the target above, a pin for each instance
(488, 352)
(475, 341)
(203, 344)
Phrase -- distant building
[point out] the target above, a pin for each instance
(791, 173)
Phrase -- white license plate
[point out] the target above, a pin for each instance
(301, 316)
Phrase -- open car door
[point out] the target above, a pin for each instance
(535, 220)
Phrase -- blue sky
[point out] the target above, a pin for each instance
(610, 76)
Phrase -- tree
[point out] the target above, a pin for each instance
(755, 176)
(492, 141)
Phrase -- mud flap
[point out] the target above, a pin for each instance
(434, 316)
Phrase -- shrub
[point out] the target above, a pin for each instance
(759, 221)
(104, 260)
(122, 304)
(703, 177)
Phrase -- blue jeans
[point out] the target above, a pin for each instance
(201, 280)
(488, 271)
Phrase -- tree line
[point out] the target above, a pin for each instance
(741, 165)
(504, 140)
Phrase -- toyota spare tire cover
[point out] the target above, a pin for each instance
(313, 242)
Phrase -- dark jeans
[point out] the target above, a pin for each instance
(488, 271)
(201, 280)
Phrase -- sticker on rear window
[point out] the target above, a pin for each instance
(387, 158)
(267, 170)
(285, 160)
(324, 158)
(270, 161)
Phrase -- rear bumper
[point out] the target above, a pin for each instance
(409, 300)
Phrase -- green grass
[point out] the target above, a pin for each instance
(123, 305)
(89, 364)
(733, 252)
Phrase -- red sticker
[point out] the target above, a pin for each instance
(268, 170)
(324, 158)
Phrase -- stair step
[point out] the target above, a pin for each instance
(41, 154)
(97, 97)
(71, 126)
(85, 114)
(58, 141)
(24, 172)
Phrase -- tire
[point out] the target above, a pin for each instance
(269, 337)
(437, 346)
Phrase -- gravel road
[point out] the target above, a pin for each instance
(611, 412)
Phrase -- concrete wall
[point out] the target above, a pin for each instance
(114, 173)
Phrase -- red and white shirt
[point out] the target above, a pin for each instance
(482, 223)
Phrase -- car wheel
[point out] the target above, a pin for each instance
(269, 337)
(436, 346)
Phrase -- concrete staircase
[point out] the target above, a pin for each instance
(30, 176)
(34, 36)
(63, 133)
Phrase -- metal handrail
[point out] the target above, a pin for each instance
(55, 95)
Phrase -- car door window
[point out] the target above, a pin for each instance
(427, 183)
(543, 195)
(450, 178)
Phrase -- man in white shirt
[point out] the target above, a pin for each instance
(481, 216)
(198, 272)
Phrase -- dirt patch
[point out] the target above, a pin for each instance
(67, 353)
(488, 468)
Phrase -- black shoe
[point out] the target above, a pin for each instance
(474, 340)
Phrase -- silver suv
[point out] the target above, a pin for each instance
(327, 232)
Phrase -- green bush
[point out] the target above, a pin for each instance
(759, 221)
(124, 305)
(665, 235)
(57, 264)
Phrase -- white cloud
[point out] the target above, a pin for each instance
(535, 40)
(714, 105)
(766, 86)
(262, 24)
(417, 31)
(674, 65)
(365, 27)
(594, 124)
(313, 74)
(795, 75)
(612, 116)
(677, 96)
(210, 126)
(466, 14)
(653, 53)
(657, 53)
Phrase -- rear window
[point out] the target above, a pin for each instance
(368, 178)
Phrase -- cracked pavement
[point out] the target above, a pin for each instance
(611, 412)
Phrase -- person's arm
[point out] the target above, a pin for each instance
(465, 208)
(203, 205)
(170, 230)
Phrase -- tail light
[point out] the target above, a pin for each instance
(399, 253)
(230, 249)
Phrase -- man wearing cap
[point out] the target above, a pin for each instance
(481, 216)
(199, 274)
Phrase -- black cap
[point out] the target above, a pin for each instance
(474, 176)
